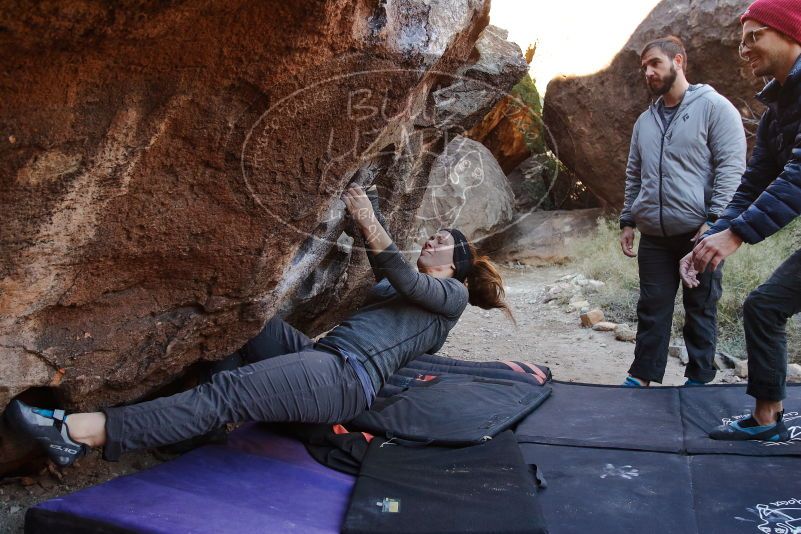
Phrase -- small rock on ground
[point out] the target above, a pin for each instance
(724, 361)
(604, 326)
(592, 318)
(794, 372)
(680, 352)
(741, 368)
(625, 333)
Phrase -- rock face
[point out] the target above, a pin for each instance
(590, 118)
(467, 190)
(540, 237)
(170, 174)
(458, 104)
(464, 103)
(502, 132)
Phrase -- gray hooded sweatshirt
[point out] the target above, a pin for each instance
(680, 177)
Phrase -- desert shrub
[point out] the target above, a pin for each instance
(599, 256)
(525, 111)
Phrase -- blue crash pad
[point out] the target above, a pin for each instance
(257, 482)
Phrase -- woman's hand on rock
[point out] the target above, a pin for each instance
(359, 207)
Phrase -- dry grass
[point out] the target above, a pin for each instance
(599, 256)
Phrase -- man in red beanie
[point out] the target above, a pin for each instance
(768, 198)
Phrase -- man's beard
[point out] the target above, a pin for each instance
(666, 83)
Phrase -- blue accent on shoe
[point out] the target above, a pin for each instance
(632, 382)
(691, 382)
(734, 431)
(753, 430)
(43, 412)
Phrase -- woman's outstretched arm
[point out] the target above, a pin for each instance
(372, 195)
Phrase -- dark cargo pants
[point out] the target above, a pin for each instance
(765, 315)
(658, 259)
(289, 379)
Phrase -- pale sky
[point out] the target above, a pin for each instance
(573, 36)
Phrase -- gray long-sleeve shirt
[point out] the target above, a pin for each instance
(680, 176)
(406, 314)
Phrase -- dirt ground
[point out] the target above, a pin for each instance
(549, 334)
(546, 333)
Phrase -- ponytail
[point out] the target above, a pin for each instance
(485, 285)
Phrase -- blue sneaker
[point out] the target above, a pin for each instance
(49, 429)
(691, 382)
(632, 382)
(748, 429)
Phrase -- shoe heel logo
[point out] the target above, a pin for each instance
(68, 450)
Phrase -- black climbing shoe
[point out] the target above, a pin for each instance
(49, 428)
(748, 429)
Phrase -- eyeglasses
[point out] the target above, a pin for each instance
(750, 40)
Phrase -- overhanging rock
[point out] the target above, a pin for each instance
(170, 175)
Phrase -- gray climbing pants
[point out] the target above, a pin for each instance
(310, 385)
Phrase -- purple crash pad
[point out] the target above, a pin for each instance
(258, 482)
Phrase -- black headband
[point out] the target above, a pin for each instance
(462, 257)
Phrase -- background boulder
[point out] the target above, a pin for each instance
(467, 190)
(590, 118)
(542, 182)
(542, 237)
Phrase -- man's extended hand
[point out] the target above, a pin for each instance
(627, 241)
(709, 252)
(687, 272)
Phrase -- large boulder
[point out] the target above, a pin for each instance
(590, 118)
(467, 190)
(170, 175)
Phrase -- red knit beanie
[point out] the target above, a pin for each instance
(781, 15)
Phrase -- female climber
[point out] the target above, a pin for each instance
(289, 377)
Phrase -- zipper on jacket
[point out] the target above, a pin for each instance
(664, 129)
(661, 153)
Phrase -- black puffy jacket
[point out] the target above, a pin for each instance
(769, 195)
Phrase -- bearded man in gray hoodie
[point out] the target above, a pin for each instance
(686, 159)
